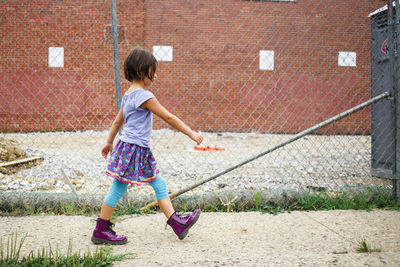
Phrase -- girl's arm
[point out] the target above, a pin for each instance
(116, 125)
(154, 106)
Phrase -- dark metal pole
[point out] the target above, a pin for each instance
(114, 28)
(394, 91)
(115, 53)
(394, 17)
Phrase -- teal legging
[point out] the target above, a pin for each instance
(119, 188)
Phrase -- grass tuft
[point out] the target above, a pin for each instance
(360, 199)
(365, 248)
(10, 255)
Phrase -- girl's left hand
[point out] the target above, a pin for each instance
(196, 137)
(106, 149)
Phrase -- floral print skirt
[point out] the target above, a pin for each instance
(133, 164)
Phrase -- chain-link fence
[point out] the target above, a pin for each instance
(249, 75)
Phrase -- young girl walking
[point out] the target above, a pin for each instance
(131, 160)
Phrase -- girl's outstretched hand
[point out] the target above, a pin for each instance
(106, 149)
(196, 137)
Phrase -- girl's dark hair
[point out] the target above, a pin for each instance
(140, 64)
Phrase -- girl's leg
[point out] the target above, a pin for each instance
(160, 188)
(166, 207)
(180, 224)
(106, 211)
(103, 234)
(117, 190)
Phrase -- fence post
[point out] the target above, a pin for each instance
(114, 27)
(396, 82)
(393, 29)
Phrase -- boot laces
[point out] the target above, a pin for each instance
(110, 226)
(182, 214)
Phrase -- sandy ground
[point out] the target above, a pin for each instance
(324, 238)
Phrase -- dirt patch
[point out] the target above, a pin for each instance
(11, 151)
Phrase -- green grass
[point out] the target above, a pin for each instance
(123, 210)
(365, 248)
(59, 208)
(257, 201)
(365, 199)
(357, 200)
(10, 255)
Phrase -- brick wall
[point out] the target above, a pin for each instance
(213, 83)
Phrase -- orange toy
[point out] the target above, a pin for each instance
(208, 148)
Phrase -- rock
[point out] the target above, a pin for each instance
(222, 185)
(13, 186)
(19, 152)
(51, 182)
(5, 179)
(78, 173)
(24, 183)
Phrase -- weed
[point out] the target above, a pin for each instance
(366, 199)
(365, 248)
(10, 256)
(257, 200)
(273, 208)
(67, 208)
(128, 210)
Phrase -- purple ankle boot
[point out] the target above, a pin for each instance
(181, 225)
(103, 234)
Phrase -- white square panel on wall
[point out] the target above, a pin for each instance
(163, 53)
(266, 60)
(347, 59)
(56, 57)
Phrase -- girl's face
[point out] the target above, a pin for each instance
(147, 82)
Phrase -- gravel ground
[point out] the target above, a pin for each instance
(318, 162)
(321, 238)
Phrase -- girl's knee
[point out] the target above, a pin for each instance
(160, 187)
(117, 190)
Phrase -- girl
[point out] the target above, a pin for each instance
(131, 161)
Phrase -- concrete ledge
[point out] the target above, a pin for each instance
(35, 200)
(239, 200)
